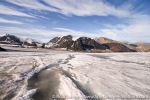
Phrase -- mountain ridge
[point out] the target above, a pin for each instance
(23, 42)
(79, 44)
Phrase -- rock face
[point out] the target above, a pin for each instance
(65, 41)
(55, 39)
(84, 43)
(58, 42)
(2, 49)
(118, 47)
(10, 39)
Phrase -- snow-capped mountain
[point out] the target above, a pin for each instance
(79, 44)
(10, 39)
(24, 42)
(30, 42)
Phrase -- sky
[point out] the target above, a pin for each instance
(123, 20)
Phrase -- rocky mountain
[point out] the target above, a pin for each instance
(65, 41)
(2, 49)
(118, 47)
(10, 39)
(82, 43)
(60, 42)
(52, 43)
(55, 40)
(85, 43)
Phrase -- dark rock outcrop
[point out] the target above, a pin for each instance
(84, 43)
(118, 47)
(2, 49)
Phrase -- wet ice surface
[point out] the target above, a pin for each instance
(74, 76)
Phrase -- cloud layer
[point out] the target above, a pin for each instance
(2, 20)
(76, 7)
(36, 16)
(10, 11)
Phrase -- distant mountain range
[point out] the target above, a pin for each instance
(23, 42)
(100, 44)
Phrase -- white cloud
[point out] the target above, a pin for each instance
(10, 11)
(2, 20)
(88, 8)
(31, 4)
(75, 33)
(64, 29)
(137, 29)
(42, 33)
(76, 7)
(133, 32)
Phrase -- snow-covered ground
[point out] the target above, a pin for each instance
(74, 76)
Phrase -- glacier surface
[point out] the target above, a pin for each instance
(65, 75)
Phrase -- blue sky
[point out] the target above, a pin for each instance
(125, 20)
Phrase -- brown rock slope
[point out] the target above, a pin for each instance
(142, 46)
(117, 47)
